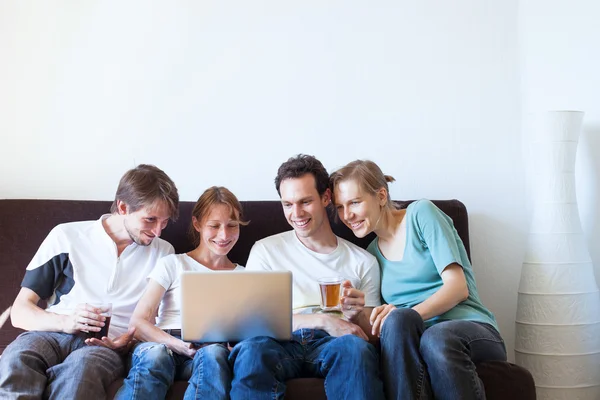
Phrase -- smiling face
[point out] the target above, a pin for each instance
(304, 209)
(219, 230)
(359, 210)
(145, 224)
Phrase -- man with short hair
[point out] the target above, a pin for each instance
(79, 263)
(323, 344)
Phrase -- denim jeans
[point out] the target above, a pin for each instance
(262, 365)
(56, 365)
(154, 368)
(418, 361)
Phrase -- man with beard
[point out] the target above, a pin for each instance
(79, 265)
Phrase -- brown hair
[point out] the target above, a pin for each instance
(300, 165)
(213, 196)
(367, 175)
(145, 185)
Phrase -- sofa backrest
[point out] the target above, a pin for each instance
(25, 223)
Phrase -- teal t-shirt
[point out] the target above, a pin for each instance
(432, 244)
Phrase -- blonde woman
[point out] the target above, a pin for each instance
(434, 322)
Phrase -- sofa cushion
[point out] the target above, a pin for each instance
(501, 380)
(297, 389)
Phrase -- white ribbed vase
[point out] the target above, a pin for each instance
(558, 309)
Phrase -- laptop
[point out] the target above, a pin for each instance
(230, 306)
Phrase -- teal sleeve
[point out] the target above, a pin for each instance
(438, 234)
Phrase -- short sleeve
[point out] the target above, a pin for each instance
(437, 234)
(50, 267)
(170, 249)
(370, 283)
(165, 272)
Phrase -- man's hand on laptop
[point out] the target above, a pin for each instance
(121, 345)
(338, 327)
(352, 302)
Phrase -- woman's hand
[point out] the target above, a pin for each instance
(378, 317)
(352, 302)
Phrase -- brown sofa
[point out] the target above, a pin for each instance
(25, 223)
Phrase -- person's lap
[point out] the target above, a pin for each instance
(153, 368)
(445, 353)
(181, 365)
(57, 364)
(480, 340)
(289, 359)
(348, 364)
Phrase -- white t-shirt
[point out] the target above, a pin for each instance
(285, 252)
(167, 274)
(78, 263)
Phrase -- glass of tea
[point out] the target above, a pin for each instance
(330, 292)
(105, 311)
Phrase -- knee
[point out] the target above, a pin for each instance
(256, 346)
(92, 362)
(255, 352)
(151, 355)
(438, 343)
(15, 357)
(352, 349)
(94, 357)
(214, 353)
(23, 347)
(401, 320)
(16, 350)
(27, 339)
(33, 349)
(217, 351)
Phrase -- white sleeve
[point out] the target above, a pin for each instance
(370, 283)
(257, 259)
(164, 273)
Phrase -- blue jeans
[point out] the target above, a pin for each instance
(154, 368)
(417, 361)
(56, 365)
(262, 365)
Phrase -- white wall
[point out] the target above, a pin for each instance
(560, 63)
(223, 92)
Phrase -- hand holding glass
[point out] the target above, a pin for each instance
(330, 293)
(105, 310)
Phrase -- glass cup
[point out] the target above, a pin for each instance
(105, 311)
(330, 292)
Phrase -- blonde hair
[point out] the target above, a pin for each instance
(367, 175)
(211, 197)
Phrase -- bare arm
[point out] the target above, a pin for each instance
(143, 321)
(453, 291)
(307, 321)
(333, 325)
(26, 314)
(363, 321)
(353, 306)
